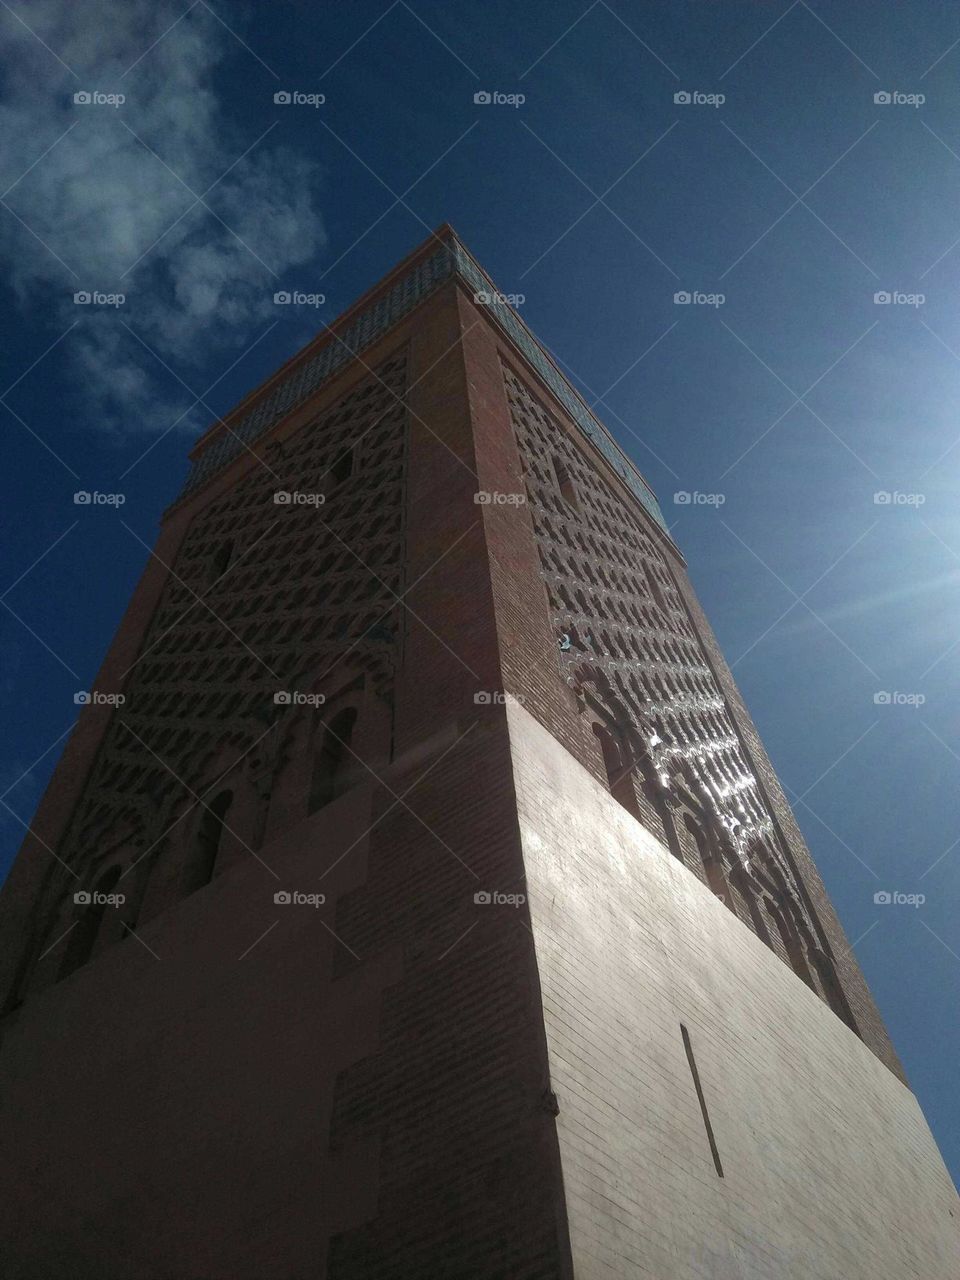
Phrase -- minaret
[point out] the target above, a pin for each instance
(428, 907)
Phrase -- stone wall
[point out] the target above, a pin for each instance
(829, 1168)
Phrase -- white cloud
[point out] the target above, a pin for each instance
(100, 199)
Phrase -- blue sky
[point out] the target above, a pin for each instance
(784, 409)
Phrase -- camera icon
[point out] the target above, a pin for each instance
(482, 97)
(281, 897)
(883, 898)
(682, 298)
(282, 298)
(682, 498)
(482, 898)
(882, 699)
(882, 99)
(282, 98)
(82, 98)
(82, 898)
(882, 498)
(482, 699)
(682, 97)
(82, 498)
(82, 298)
(282, 699)
(482, 298)
(882, 298)
(82, 699)
(482, 499)
(281, 498)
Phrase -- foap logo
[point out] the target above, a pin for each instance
(84, 498)
(294, 698)
(295, 298)
(894, 98)
(94, 898)
(490, 297)
(894, 298)
(494, 98)
(684, 498)
(894, 898)
(295, 898)
(88, 298)
(494, 898)
(694, 298)
(492, 498)
(294, 498)
(496, 698)
(94, 698)
(694, 98)
(885, 698)
(94, 98)
(894, 498)
(295, 98)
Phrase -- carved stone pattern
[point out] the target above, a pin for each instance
(307, 376)
(306, 588)
(580, 412)
(597, 563)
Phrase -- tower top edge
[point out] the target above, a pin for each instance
(440, 257)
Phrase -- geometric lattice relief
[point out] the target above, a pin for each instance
(627, 646)
(290, 590)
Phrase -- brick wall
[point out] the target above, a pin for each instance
(352, 1091)
(828, 1166)
(869, 1021)
(367, 1092)
(454, 1096)
(513, 413)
